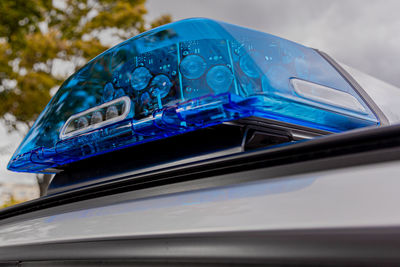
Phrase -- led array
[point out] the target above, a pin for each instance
(105, 114)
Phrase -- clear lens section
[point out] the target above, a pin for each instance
(81, 122)
(96, 117)
(114, 111)
(326, 95)
(185, 76)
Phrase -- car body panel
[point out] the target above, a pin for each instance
(359, 197)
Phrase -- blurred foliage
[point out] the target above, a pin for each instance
(11, 202)
(36, 34)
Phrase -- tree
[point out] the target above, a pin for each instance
(36, 36)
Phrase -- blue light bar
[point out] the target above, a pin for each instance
(181, 77)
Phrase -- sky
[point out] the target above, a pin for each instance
(364, 34)
(9, 142)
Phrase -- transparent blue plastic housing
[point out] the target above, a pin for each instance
(181, 77)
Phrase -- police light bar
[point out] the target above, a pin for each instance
(181, 77)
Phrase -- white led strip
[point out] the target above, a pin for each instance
(127, 108)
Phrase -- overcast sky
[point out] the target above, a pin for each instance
(364, 34)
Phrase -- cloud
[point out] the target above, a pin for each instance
(364, 34)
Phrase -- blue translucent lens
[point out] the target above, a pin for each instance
(160, 86)
(140, 78)
(181, 77)
(253, 64)
(193, 67)
(219, 78)
(108, 92)
(120, 92)
(145, 98)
